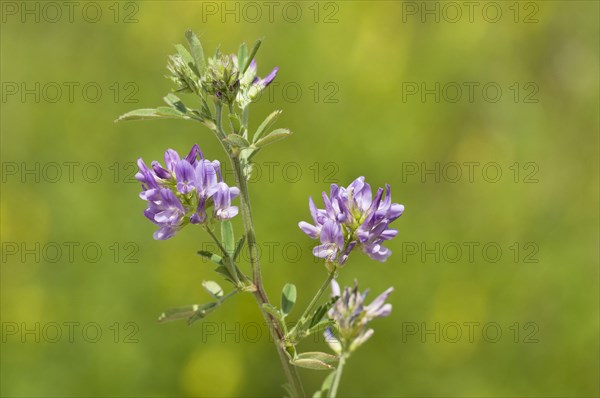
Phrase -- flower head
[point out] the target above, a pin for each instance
(353, 214)
(183, 190)
(351, 316)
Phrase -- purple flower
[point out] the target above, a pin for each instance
(351, 316)
(186, 176)
(362, 220)
(251, 85)
(165, 210)
(250, 76)
(264, 82)
(180, 192)
(319, 217)
(332, 241)
(222, 201)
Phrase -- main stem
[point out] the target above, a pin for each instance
(260, 295)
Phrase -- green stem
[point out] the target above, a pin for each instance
(217, 241)
(314, 301)
(337, 377)
(232, 266)
(260, 295)
(229, 295)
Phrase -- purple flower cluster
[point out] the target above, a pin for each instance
(351, 316)
(183, 191)
(352, 217)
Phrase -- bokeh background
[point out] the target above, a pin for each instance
(353, 62)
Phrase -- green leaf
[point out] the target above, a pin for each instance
(225, 273)
(251, 56)
(288, 298)
(227, 237)
(266, 124)
(318, 315)
(314, 364)
(187, 57)
(238, 248)
(174, 102)
(174, 314)
(321, 311)
(233, 269)
(242, 54)
(202, 312)
(197, 51)
(188, 311)
(215, 258)
(274, 136)
(321, 356)
(237, 141)
(213, 288)
(162, 112)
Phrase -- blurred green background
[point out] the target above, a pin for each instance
(353, 62)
